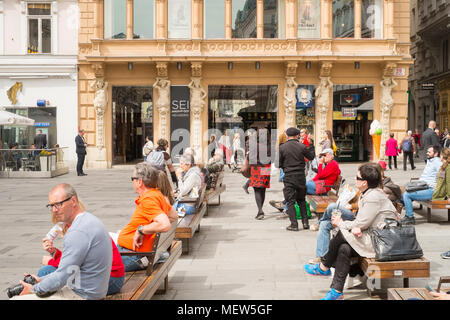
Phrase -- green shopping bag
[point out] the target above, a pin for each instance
(297, 211)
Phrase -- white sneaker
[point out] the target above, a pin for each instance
(314, 227)
(352, 282)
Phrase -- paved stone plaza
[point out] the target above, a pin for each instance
(233, 256)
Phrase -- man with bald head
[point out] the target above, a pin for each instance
(85, 265)
(429, 138)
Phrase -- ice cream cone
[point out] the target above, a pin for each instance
(376, 144)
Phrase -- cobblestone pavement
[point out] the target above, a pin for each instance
(233, 256)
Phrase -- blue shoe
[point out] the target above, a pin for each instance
(333, 295)
(445, 255)
(315, 270)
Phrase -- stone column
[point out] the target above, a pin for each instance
(289, 100)
(100, 105)
(386, 103)
(260, 19)
(198, 95)
(326, 13)
(160, 19)
(388, 18)
(323, 101)
(129, 19)
(162, 104)
(358, 18)
(197, 22)
(291, 19)
(228, 22)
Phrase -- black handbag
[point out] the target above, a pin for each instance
(395, 242)
(416, 186)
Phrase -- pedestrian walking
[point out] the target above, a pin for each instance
(260, 166)
(416, 136)
(81, 145)
(392, 151)
(292, 156)
(446, 143)
(408, 146)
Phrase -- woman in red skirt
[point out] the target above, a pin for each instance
(260, 165)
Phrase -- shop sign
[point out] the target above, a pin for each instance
(350, 99)
(42, 124)
(337, 115)
(427, 86)
(305, 96)
(400, 72)
(180, 110)
(348, 112)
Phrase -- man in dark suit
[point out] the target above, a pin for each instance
(429, 138)
(40, 141)
(81, 151)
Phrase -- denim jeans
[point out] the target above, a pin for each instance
(189, 209)
(408, 198)
(131, 263)
(45, 270)
(310, 187)
(114, 286)
(325, 226)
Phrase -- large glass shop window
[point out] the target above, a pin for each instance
(115, 16)
(353, 106)
(243, 17)
(304, 115)
(179, 19)
(372, 19)
(143, 19)
(343, 19)
(309, 19)
(214, 15)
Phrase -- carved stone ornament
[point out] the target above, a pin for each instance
(386, 104)
(323, 103)
(162, 85)
(196, 69)
(198, 95)
(100, 104)
(161, 69)
(289, 101)
(325, 69)
(99, 69)
(388, 70)
(291, 69)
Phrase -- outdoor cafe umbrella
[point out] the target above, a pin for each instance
(10, 119)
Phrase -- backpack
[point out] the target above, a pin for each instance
(406, 146)
(156, 159)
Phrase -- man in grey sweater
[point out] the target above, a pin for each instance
(85, 266)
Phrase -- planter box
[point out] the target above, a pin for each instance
(44, 163)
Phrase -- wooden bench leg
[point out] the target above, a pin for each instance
(198, 229)
(448, 215)
(405, 282)
(185, 246)
(165, 284)
(219, 199)
(428, 214)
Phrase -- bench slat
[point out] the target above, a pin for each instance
(415, 268)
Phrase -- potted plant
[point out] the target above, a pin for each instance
(43, 159)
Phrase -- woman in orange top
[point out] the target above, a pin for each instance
(150, 216)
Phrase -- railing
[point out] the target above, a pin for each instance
(31, 159)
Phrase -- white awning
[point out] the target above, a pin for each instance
(11, 119)
(366, 106)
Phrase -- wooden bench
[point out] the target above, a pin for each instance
(189, 224)
(143, 284)
(319, 204)
(215, 192)
(434, 204)
(414, 293)
(405, 269)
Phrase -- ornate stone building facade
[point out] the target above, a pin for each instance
(429, 80)
(319, 64)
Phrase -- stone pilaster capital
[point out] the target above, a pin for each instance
(291, 68)
(162, 69)
(325, 69)
(196, 69)
(388, 69)
(99, 69)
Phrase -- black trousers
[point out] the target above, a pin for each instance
(80, 163)
(294, 193)
(410, 156)
(338, 255)
(260, 196)
(390, 162)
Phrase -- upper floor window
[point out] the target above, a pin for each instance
(214, 19)
(273, 19)
(179, 19)
(115, 19)
(308, 19)
(372, 19)
(143, 19)
(343, 19)
(243, 17)
(39, 27)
